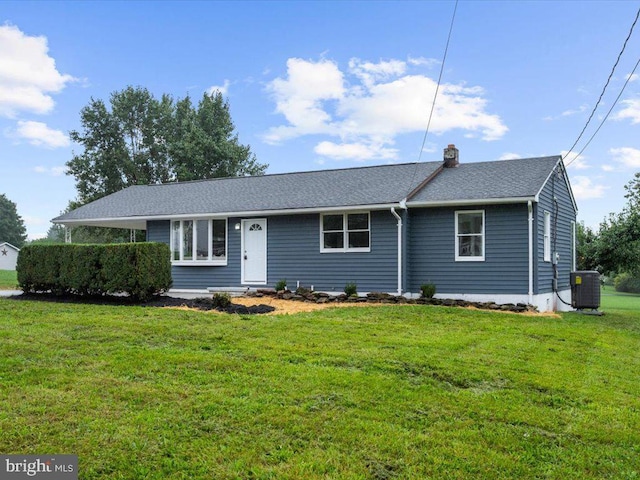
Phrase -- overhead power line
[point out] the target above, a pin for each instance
(606, 116)
(624, 46)
(435, 96)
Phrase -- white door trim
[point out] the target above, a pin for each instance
(243, 253)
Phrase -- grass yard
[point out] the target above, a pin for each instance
(8, 280)
(610, 299)
(353, 393)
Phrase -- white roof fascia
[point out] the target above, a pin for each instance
(249, 213)
(566, 179)
(9, 245)
(475, 201)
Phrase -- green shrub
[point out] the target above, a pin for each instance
(221, 300)
(281, 285)
(138, 269)
(351, 289)
(625, 282)
(428, 290)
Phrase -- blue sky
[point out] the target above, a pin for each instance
(316, 85)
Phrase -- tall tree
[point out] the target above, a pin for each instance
(12, 229)
(127, 145)
(586, 248)
(205, 144)
(143, 140)
(619, 240)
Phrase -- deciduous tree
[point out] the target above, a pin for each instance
(619, 237)
(12, 229)
(205, 144)
(143, 140)
(586, 248)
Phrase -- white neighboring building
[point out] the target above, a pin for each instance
(8, 256)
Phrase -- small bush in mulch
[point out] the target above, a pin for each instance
(156, 301)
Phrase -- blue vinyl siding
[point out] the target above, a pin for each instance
(293, 253)
(563, 211)
(201, 277)
(158, 231)
(432, 251)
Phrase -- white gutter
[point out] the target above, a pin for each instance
(530, 208)
(474, 201)
(229, 214)
(399, 219)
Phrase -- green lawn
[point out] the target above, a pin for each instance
(8, 280)
(610, 299)
(355, 393)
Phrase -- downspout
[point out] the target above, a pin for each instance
(399, 219)
(530, 207)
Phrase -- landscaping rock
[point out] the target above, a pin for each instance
(304, 295)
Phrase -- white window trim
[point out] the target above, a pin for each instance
(195, 262)
(457, 237)
(345, 233)
(546, 237)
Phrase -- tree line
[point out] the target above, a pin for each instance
(143, 140)
(614, 250)
(139, 139)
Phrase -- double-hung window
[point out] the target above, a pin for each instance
(345, 232)
(470, 235)
(199, 242)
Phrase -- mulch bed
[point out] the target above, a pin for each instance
(157, 301)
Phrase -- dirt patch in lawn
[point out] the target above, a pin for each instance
(266, 305)
(290, 306)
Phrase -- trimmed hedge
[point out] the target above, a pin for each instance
(137, 269)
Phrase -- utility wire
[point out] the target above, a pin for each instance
(435, 96)
(607, 115)
(603, 90)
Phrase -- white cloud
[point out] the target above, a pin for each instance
(371, 73)
(509, 156)
(300, 98)
(53, 171)
(607, 168)
(370, 104)
(630, 111)
(223, 89)
(39, 134)
(427, 62)
(568, 113)
(358, 151)
(626, 156)
(584, 189)
(632, 77)
(28, 75)
(572, 161)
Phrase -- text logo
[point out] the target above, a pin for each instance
(49, 467)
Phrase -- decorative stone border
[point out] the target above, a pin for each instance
(304, 295)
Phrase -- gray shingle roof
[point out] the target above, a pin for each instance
(323, 189)
(351, 187)
(502, 179)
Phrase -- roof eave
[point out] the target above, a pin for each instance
(139, 222)
(474, 202)
(566, 179)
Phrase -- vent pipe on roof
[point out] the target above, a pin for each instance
(451, 156)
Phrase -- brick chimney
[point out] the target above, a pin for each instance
(451, 156)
